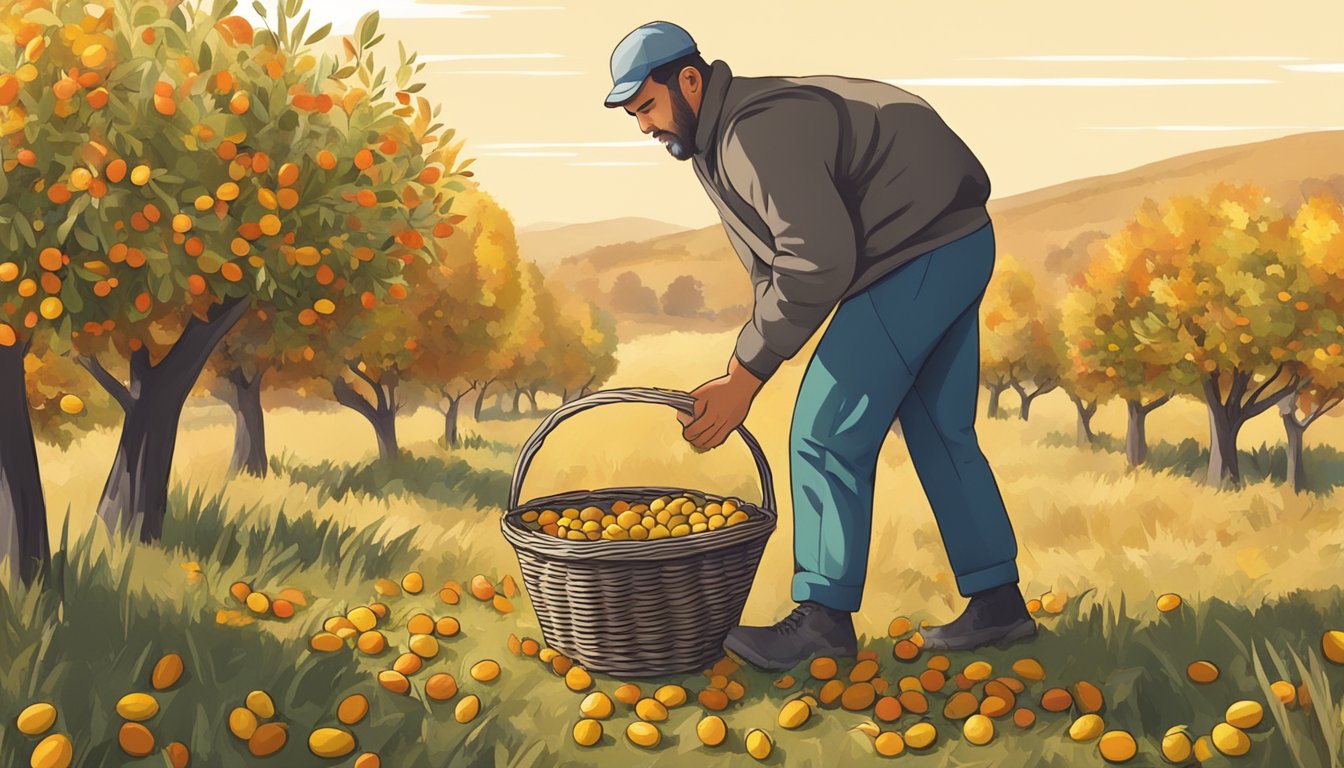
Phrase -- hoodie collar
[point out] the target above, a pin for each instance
(711, 105)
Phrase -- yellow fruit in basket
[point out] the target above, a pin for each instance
(1245, 714)
(671, 695)
(650, 709)
(628, 519)
(352, 708)
(758, 744)
(485, 671)
(571, 513)
(639, 533)
(619, 506)
(597, 705)
(37, 718)
(590, 514)
(331, 742)
(794, 714)
(680, 530)
(549, 517)
(737, 517)
(659, 532)
(137, 707)
(711, 730)
(628, 694)
(658, 504)
(608, 520)
(643, 734)
(467, 709)
(587, 732)
(716, 522)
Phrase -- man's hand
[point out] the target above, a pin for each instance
(721, 405)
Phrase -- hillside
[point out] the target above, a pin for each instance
(1048, 229)
(549, 243)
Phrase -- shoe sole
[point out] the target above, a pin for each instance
(1021, 631)
(746, 654)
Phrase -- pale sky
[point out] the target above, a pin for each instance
(1043, 92)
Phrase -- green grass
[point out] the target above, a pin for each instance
(109, 610)
(1324, 463)
(445, 479)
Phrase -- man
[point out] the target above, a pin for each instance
(848, 195)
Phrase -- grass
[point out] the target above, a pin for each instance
(1257, 567)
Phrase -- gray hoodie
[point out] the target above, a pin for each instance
(826, 184)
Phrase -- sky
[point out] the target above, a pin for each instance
(1043, 92)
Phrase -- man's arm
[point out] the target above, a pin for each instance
(780, 158)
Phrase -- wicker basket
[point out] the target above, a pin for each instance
(637, 608)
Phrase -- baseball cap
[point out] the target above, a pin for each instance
(640, 52)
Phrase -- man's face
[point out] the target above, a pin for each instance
(665, 113)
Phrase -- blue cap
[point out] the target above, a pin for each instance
(644, 49)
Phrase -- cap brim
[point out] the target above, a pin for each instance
(622, 93)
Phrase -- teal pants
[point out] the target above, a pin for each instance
(907, 347)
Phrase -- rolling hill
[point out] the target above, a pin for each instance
(1048, 229)
(548, 243)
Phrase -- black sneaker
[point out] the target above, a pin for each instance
(995, 615)
(811, 630)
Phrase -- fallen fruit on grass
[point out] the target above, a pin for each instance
(627, 694)
(368, 760)
(822, 668)
(711, 730)
(643, 734)
(1168, 602)
(386, 587)
(920, 735)
(905, 650)
(578, 680)
(257, 602)
(587, 732)
(485, 671)
(441, 686)
(794, 714)
(420, 624)
(268, 739)
(1176, 745)
(887, 709)
(424, 646)
(978, 729)
(1029, 669)
(784, 682)
(1056, 700)
(1230, 740)
(1024, 718)
(331, 742)
(352, 708)
(759, 744)
(1332, 644)
(413, 582)
(407, 664)
(1053, 602)
(713, 699)
(137, 706)
(448, 627)
(977, 671)
(481, 588)
(242, 722)
(36, 719)
(1244, 714)
(240, 590)
(467, 709)
(889, 744)
(899, 626)
(1203, 749)
(960, 705)
(671, 695)
(261, 705)
(394, 681)
(1086, 728)
(363, 618)
(831, 692)
(1117, 746)
(1284, 691)
(167, 671)
(55, 751)
(135, 739)
(650, 709)
(1202, 671)
(597, 705)
(858, 697)
(178, 755)
(1088, 697)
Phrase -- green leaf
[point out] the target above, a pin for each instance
(259, 8)
(368, 29)
(26, 231)
(70, 297)
(283, 29)
(319, 34)
(300, 28)
(415, 88)
(4, 182)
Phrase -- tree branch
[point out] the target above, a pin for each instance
(1261, 388)
(1263, 405)
(1146, 409)
(377, 390)
(347, 396)
(111, 383)
(1321, 412)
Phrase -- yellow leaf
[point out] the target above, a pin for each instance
(1251, 561)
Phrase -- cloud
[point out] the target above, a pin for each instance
(611, 163)
(433, 57)
(1198, 128)
(345, 14)
(517, 72)
(1334, 67)
(1135, 57)
(1082, 82)
(528, 154)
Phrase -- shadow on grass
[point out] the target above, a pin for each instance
(445, 479)
(1324, 464)
(271, 545)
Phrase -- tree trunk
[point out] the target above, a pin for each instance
(1136, 438)
(381, 414)
(1085, 414)
(994, 391)
(136, 492)
(450, 422)
(517, 398)
(480, 399)
(532, 399)
(249, 435)
(1227, 416)
(1027, 398)
(1297, 474)
(23, 510)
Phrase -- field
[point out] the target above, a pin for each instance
(1258, 570)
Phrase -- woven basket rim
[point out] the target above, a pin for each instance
(757, 526)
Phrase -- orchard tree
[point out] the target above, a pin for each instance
(585, 353)
(684, 297)
(1229, 259)
(1111, 320)
(1318, 291)
(629, 294)
(1021, 343)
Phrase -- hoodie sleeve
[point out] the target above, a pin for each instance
(780, 157)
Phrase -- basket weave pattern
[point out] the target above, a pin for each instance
(637, 608)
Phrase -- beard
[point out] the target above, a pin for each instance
(680, 139)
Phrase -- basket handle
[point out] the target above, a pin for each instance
(682, 401)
